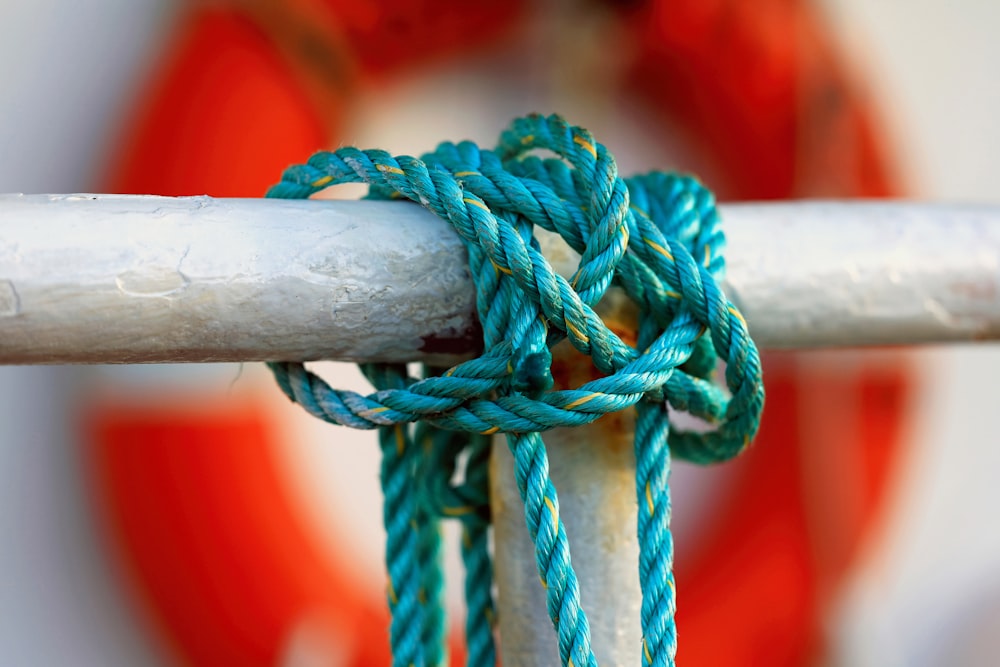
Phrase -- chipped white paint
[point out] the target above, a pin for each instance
(124, 279)
(88, 279)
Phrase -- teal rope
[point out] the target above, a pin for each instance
(469, 503)
(431, 595)
(659, 238)
(406, 537)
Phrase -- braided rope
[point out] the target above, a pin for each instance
(658, 237)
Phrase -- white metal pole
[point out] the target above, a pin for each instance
(593, 468)
(125, 279)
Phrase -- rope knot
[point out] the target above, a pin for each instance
(656, 236)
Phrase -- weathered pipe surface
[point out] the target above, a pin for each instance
(126, 279)
(103, 279)
(593, 468)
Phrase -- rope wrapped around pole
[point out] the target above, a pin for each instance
(659, 238)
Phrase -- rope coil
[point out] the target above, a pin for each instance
(658, 237)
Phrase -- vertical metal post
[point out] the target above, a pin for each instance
(593, 468)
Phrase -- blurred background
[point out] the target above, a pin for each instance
(169, 515)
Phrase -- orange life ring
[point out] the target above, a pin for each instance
(220, 558)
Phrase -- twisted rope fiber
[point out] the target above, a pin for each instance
(658, 237)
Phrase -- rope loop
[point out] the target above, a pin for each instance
(493, 198)
(658, 237)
